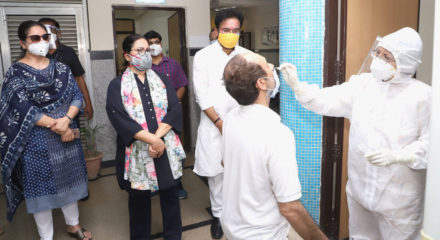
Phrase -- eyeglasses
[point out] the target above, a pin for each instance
(388, 58)
(141, 51)
(228, 30)
(37, 38)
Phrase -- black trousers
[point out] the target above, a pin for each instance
(139, 209)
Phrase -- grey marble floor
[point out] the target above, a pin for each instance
(105, 214)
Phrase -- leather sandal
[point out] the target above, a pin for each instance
(79, 234)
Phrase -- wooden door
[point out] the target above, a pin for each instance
(174, 37)
(177, 51)
(123, 29)
(365, 21)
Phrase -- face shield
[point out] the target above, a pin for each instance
(53, 36)
(365, 67)
(395, 56)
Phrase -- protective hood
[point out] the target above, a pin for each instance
(406, 47)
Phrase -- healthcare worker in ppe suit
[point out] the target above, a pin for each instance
(389, 113)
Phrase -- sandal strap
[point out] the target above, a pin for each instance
(79, 234)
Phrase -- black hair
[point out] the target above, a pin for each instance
(127, 44)
(23, 31)
(45, 19)
(152, 34)
(226, 14)
(211, 36)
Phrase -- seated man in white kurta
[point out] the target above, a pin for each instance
(261, 190)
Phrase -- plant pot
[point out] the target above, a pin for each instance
(93, 165)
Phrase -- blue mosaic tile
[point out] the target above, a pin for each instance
(302, 32)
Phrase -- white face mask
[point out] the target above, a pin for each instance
(155, 50)
(382, 70)
(276, 89)
(39, 49)
(272, 92)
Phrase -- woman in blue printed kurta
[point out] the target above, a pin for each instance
(42, 162)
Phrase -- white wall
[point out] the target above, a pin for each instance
(101, 26)
(256, 19)
(432, 196)
(426, 30)
(157, 21)
(259, 17)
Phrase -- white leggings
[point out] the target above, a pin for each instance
(45, 223)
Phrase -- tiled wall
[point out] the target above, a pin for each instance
(302, 28)
(103, 71)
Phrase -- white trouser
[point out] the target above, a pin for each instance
(45, 223)
(367, 225)
(216, 194)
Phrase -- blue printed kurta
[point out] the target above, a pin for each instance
(36, 165)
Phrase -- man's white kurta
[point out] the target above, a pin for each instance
(209, 64)
(260, 170)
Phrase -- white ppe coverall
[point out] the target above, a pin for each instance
(385, 202)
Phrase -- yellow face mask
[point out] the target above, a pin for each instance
(228, 40)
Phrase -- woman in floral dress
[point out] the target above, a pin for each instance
(143, 107)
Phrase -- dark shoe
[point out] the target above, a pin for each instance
(153, 195)
(182, 193)
(216, 229)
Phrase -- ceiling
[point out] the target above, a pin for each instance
(218, 4)
(137, 13)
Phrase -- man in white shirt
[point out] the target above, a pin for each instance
(261, 190)
(215, 102)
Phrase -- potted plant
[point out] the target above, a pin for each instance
(92, 155)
